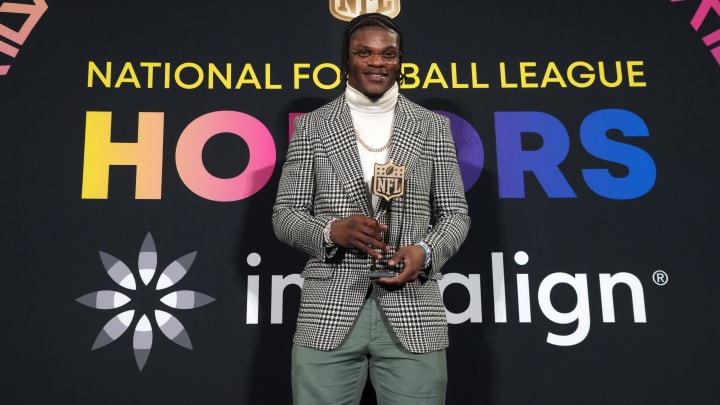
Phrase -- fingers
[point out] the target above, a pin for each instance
(412, 255)
(406, 276)
(359, 232)
(366, 247)
(412, 260)
(371, 228)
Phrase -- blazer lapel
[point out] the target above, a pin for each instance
(339, 137)
(408, 137)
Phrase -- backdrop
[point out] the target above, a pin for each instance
(142, 143)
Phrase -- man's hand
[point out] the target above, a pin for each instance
(413, 259)
(359, 232)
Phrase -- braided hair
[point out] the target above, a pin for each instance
(370, 20)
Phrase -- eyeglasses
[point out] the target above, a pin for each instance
(388, 56)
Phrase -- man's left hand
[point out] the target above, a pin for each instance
(412, 257)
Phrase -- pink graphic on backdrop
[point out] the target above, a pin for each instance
(703, 10)
(9, 50)
(700, 17)
(34, 12)
(291, 121)
(192, 171)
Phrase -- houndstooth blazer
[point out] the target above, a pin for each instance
(322, 179)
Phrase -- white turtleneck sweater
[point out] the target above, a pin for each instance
(373, 121)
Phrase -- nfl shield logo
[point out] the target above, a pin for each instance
(346, 10)
(389, 180)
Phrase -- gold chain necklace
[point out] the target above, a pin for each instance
(369, 148)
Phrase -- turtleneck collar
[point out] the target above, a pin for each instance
(361, 103)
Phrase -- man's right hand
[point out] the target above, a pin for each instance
(359, 232)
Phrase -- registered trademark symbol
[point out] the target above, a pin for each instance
(660, 277)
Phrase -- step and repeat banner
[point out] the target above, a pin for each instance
(142, 143)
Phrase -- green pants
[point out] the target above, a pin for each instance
(338, 377)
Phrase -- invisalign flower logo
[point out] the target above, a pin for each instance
(169, 325)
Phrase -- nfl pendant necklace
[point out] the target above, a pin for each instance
(369, 148)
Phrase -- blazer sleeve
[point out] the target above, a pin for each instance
(450, 219)
(294, 220)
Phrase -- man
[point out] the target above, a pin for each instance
(370, 300)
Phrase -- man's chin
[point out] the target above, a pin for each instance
(374, 94)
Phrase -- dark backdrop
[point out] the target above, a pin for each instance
(655, 209)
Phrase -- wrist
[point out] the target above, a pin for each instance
(427, 253)
(326, 232)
